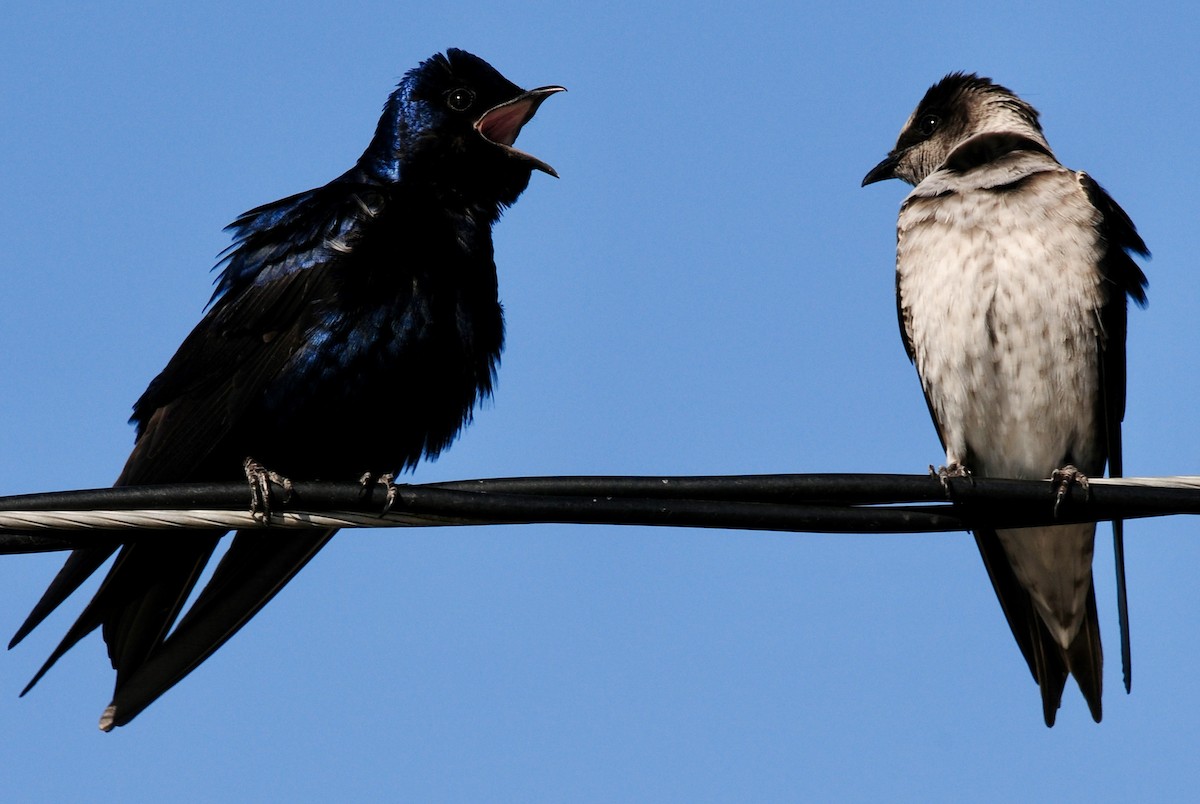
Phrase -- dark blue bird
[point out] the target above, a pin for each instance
(353, 329)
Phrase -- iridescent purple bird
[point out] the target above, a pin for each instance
(352, 332)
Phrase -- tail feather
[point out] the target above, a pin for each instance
(1048, 661)
(256, 567)
(143, 594)
(78, 568)
(159, 576)
(1085, 658)
(145, 588)
(1049, 667)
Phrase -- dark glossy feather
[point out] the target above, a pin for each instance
(353, 330)
(1118, 268)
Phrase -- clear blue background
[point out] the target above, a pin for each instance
(706, 290)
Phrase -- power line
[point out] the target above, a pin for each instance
(814, 503)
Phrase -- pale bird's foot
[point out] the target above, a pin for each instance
(944, 474)
(260, 479)
(387, 480)
(1062, 479)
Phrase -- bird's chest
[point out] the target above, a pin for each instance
(433, 333)
(999, 296)
(388, 370)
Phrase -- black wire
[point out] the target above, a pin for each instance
(825, 503)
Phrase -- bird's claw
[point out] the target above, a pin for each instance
(954, 469)
(387, 480)
(1062, 479)
(260, 479)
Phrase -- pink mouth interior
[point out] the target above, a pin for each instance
(504, 124)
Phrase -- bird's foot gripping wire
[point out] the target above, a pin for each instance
(387, 480)
(1061, 481)
(955, 469)
(261, 478)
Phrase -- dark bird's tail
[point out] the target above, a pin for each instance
(141, 598)
(256, 567)
(78, 568)
(1048, 661)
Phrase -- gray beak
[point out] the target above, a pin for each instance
(884, 170)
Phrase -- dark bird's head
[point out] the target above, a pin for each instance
(451, 122)
(962, 121)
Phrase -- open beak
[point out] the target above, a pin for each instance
(501, 124)
(884, 170)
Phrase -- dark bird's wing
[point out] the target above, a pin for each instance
(284, 261)
(191, 425)
(1126, 281)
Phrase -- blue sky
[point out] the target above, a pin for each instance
(705, 290)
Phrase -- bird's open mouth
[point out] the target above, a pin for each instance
(501, 124)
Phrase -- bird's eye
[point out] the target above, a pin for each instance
(460, 99)
(928, 123)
